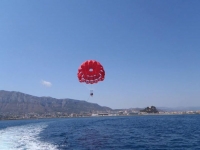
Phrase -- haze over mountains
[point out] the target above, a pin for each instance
(20, 103)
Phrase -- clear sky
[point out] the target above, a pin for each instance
(150, 50)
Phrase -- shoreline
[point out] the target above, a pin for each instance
(97, 116)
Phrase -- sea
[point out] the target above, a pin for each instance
(143, 132)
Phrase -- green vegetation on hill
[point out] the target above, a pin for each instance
(151, 109)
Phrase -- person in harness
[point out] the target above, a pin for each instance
(91, 92)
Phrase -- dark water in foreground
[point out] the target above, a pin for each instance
(137, 132)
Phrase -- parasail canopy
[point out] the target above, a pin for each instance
(91, 71)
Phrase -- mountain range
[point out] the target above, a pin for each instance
(12, 102)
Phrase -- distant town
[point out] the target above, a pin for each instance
(125, 112)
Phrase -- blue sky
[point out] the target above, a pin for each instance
(149, 50)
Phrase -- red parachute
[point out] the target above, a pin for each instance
(91, 71)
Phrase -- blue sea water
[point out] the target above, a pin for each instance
(170, 132)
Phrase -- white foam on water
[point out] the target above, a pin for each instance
(24, 138)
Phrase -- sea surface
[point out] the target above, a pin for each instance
(167, 132)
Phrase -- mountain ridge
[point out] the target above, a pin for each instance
(14, 102)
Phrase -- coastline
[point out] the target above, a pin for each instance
(12, 119)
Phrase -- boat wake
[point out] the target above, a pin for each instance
(24, 137)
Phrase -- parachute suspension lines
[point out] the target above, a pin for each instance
(91, 89)
(87, 87)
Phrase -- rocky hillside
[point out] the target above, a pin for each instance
(20, 103)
